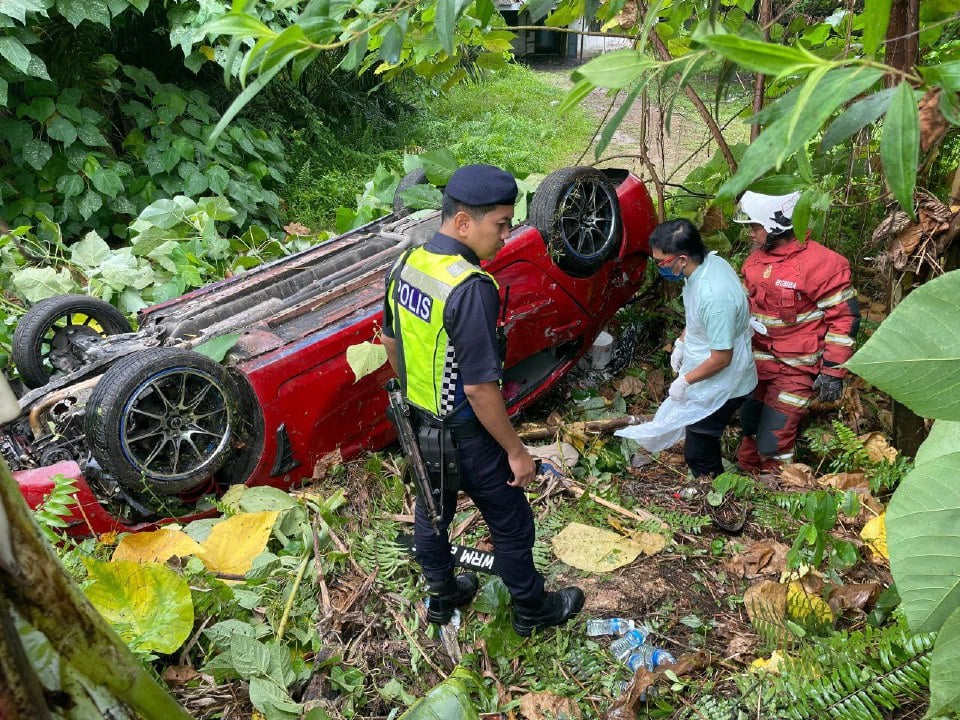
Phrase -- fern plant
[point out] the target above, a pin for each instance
(51, 514)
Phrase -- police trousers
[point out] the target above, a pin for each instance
(484, 474)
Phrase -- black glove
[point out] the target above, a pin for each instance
(831, 388)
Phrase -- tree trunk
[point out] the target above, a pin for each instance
(903, 35)
(760, 81)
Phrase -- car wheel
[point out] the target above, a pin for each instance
(161, 420)
(41, 344)
(578, 215)
(414, 177)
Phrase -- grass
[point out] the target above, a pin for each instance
(509, 120)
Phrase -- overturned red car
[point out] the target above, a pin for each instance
(152, 430)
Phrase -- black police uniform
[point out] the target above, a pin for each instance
(470, 318)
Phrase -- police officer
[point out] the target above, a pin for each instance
(805, 315)
(440, 319)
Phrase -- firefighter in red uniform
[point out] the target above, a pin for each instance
(805, 317)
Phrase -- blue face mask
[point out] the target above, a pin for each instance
(667, 273)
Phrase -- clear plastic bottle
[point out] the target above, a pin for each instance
(622, 648)
(649, 657)
(609, 626)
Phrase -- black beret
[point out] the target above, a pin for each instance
(478, 185)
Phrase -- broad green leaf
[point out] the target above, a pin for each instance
(91, 136)
(157, 546)
(777, 184)
(218, 347)
(914, 356)
(945, 669)
(439, 165)
(900, 146)
(538, 9)
(238, 104)
(90, 252)
(762, 57)
(944, 438)
(70, 185)
(37, 153)
(614, 70)
(15, 53)
(578, 92)
(36, 284)
(239, 24)
(76, 11)
(450, 699)
(90, 203)
(107, 182)
(446, 21)
(264, 497)
(876, 17)
(148, 605)
(950, 107)
(801, 213)
(835, 84)
(235, 542)
(422, 197)
(252, 658)
(924, 544)
(272, 699)
(947, 75)
(365, 358)
(391, 44)
(856, 117)
(773, 144)
(3, 92)
(63, 130)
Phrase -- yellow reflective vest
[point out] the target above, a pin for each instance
(417, 295)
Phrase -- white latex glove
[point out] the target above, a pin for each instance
(676, 357)
(678, 388)
(757, 326)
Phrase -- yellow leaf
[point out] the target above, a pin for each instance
(874, 534)
(593, 549)
(157, 546)
(770, 665)
(234, 543)
(806, 608)
(208, 52)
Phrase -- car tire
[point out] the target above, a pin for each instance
(139, 413)
(577, 213)
(412, 178)
(41, 329)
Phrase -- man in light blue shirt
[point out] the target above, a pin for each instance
(712, 357)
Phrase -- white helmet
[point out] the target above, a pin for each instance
(774, 212)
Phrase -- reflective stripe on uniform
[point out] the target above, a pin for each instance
(433, 287)
(786, 458)
(799, 361)
(771, 321)
(845, 340)
(794, 400)
(837, 298)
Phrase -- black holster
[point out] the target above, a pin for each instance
(440, 456)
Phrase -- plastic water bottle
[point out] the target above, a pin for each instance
(649, 657)
(622, 648)
(609, 626)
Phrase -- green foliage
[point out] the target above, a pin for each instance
(843, 451)
(815, 542)
(861, 676)
(51, 514)
(82, 165)
(923, 515)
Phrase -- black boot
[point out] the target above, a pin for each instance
(447, 595)
(551, 608)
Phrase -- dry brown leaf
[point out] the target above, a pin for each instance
(766, 603)
(878, 447)
(845, 481)
(326, 463)
(870, 508)
(298, 229)
(544, 706)
(656, 384)
(876, 312)
(798, 475)
(742, 644)
(853, 597)
(179, 674)
(763, 557)
(631, 385)
(933, 125)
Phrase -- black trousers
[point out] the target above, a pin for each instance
(484, 473)
(701, 447)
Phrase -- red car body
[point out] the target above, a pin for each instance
(303, 401)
